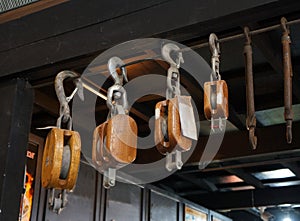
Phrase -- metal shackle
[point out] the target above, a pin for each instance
(173, 72)
(113, 64)
(115, 94)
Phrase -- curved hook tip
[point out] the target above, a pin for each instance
(124, 73)
(79, 86)
(253, 142)
(214, 44)
(59, 87)
(252, 138)
(289, 134)
(247, 34)
(166, 54)
(113, 64)
(283, 22)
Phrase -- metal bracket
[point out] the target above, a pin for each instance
(217, 124)
(57, 204)
(109, 178)
(173, 160)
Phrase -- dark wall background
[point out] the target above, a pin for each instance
(124, 202)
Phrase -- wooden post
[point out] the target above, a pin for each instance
(16, 101)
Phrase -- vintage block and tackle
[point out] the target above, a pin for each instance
(175, 125)
(215, 91)
(61, 157)
(115, 140)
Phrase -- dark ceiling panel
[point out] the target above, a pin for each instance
(102, 35)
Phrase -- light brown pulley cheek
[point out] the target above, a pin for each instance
(61, 159)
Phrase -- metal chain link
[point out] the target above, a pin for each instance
(173, 76)
(116, 95)
(215, 58)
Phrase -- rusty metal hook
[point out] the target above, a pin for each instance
(113, 64)
(247, 35)
(283, 22)
(64, 111)
(252, 137)
(214, 46)
(289, 134)
(166, 54)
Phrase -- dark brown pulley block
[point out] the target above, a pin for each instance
(168, 132)
(216, 99)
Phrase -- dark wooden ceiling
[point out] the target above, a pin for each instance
(39, 45)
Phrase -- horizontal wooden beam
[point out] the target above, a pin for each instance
(101, 35)
(249, 198)
(271, 140)
(28, 9)
(46, 102)
(246, 177)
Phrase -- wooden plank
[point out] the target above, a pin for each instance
(28, 9)
(246, 177)
(48, 103)
(104, 34)
(55, 21)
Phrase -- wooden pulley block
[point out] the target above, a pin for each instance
(216, 99)
(115, 142)
(61, 159)
(168, 128)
